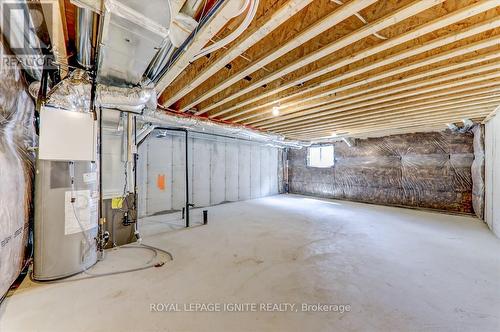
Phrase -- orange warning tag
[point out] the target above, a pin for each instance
(160, 182)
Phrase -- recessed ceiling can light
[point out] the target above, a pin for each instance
(276, 110)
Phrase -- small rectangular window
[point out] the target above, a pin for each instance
(320, 156)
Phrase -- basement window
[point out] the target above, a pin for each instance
(322, 156)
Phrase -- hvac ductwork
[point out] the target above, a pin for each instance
(73, 93)
(468, 124)
(86, 24)
(126, 99)
(152, 119)
(159, 61)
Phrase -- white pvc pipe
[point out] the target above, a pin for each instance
(253, 5)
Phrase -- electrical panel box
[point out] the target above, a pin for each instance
(67, 135)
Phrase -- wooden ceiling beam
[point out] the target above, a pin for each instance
(317, 98)
(337, 16)
(460, 90)
(480, 113)
(463, 113)
(368, 119)
(429, 27)
(367, 30)
(424, 102)
(460, 113)
(274, 21)
(55, 18)
(349, 117)
(378, 132)
(405, 90)
(411, 68)
(382, 132)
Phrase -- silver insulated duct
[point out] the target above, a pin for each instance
(85, 23)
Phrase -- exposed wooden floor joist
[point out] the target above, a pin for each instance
(273, 21)
(407, 114)
(342, 13)
(399, 70)
(364, 32)
(407, 109)
(54, 12)
(426, 28)
(459, 90)
(334, 74)
(407, 90)
(457, 117)
(321, 96)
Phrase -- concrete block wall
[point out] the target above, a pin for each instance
(428, 170)
(220, 170)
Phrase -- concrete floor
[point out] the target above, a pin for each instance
(398, 269)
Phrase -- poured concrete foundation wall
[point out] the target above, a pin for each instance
(492, 171)
(427, 170)
(220, 170)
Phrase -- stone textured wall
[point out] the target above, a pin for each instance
(427, 170)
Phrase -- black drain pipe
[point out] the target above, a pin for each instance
(186, 132)
(136, 155)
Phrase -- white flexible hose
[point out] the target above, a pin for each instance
(242, 9)
(254, 4)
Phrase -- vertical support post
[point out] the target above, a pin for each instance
(136, 156)
(102, 220)
(187, 181)
(205, 217)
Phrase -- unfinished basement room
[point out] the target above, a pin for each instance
(249, 165)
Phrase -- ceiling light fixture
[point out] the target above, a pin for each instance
(276, 110)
